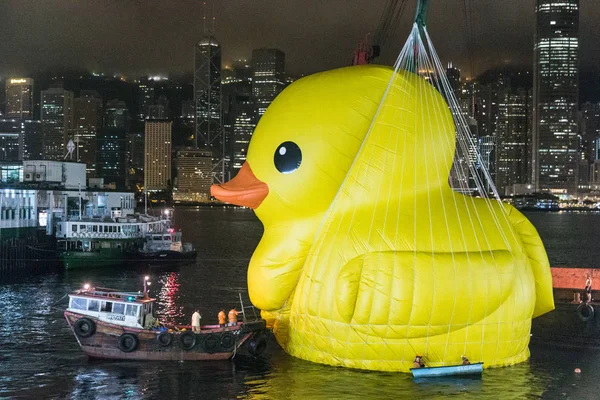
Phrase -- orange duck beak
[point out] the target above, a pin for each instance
(243, 190)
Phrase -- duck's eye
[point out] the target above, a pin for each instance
(287, 157)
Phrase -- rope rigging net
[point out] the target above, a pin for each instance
(374, 250)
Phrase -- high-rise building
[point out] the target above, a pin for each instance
(11, 140)
(207, 96)
(453, 75)
(57, 121)
(239, 112)
(589, 125)
(145, 98)
(135, 160)
(513, 132)
(157, 161)
(21, 140)
(33, 140)
(88, 121)
(556, 154)
(111, 144)
(116, 115)
(268, 77)
(156, 111)
(194, 175)
(19, 98)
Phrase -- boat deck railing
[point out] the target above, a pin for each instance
(244, 308)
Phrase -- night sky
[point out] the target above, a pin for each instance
(151, 37)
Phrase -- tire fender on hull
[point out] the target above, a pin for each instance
(128, 342)
(84, 327)
(211, 343)
(585, 312)
(188, 340)
(227, 340)
(256, 346)
(164, 339)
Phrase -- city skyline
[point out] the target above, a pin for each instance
(310, 44)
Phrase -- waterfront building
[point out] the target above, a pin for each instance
(19, 98)
(57, 121)
(39, 193)
(556, 153)
(157, 160)
(194, 175)
(268, 77)
(88, 121)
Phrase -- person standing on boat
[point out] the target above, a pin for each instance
(222, 319)
(196, 321)
(588, 289)
(418, 362)
(465, 360)
(233, 314)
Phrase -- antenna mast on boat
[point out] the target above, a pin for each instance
(145, 202)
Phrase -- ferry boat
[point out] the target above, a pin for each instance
(165, 246)
(113, 324)
(94, 242)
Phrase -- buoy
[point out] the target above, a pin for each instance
(577, 371)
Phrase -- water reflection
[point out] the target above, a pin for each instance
(170, 310)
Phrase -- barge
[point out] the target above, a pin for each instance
(112, 324)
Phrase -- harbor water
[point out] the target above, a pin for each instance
(40, 358)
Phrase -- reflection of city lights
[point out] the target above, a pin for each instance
(169, 311)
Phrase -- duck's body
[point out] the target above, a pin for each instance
(368, 256)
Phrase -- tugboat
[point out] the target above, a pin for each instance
(165, 246)
(113, 324)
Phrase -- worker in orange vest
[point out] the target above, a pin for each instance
(222, 319)
(233, 314)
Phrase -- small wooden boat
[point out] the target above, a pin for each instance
(447, 370)
(112, 324)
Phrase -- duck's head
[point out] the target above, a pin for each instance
(305, 143)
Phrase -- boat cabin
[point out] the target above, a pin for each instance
(166, 241)
(131, 309)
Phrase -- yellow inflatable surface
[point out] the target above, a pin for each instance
(368, 257)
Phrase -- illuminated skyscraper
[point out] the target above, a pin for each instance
(268, 77)
(111, 145)
(19, 98)
(555, 144)
(157, 160)
(57, 121)
(194, 175)
(239, 112)
(207, 96)
(513, 131)
(145, 98)
(88, 121)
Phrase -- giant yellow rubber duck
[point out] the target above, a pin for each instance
(368, 256)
